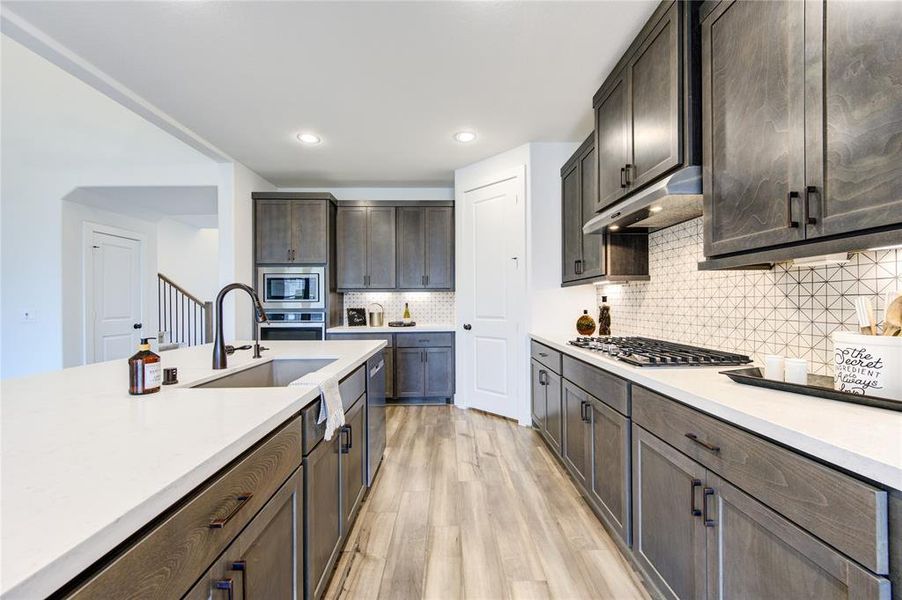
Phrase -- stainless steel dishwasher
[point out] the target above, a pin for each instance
(375, 415)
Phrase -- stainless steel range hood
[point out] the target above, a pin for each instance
(674, 199)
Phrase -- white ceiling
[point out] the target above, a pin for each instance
(192, 205)
(386, 84)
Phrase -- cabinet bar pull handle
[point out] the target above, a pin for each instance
(346, 433)
(789, 198)
(707, 493)
(622, 177)
(543, 378)
(702, 443)
(288, 256)
(543, 354)
(692, 510)
(241, 566)
(810, 191)
(629, 167)
(350, 437)
(243, 499)
(427, 279)
(225, 584)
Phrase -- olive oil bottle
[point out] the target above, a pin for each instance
(145, 371)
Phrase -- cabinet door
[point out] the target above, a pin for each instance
(411, 248)
(439, 372)
(609, 486)
(571, 232)
(310, 230)
(350, 234)
(553, 411)
(539, 374)
(409, 373)
(753, 77)
(380, 248)
(322, 516)
(655, 92)
(389, 355)
(439, 223)
(353, 465)
(592, 252)
(270, 550)
(755, 553)
(273, 231)
(575, 444)
(854, 82)
(611, 143)
(668, 530)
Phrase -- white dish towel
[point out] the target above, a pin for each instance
(331, 409)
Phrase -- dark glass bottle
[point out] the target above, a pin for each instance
(145, 371)
(604, 317)
(585, 325)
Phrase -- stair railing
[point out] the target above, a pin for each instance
(184, 319)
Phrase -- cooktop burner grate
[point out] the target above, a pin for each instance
(647, 352)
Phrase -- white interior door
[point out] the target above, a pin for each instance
(490, 295)
(114, 295)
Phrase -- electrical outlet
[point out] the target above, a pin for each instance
(29, 315)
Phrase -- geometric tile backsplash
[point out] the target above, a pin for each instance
(791, 311)
(433, 308)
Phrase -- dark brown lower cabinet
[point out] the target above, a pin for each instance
(546, 403)
(609, 478)
(266, 560)
(424, 372)
(575, 444)
(698, 536)
(353, 463)
(322, 515)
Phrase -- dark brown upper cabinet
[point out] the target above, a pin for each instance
(802, 116)
(365, 247)
(594, 257)
(583, 255)
(646, 112)
(425, 248)
(292, 228)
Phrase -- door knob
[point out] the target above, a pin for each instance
(137, 325)
(467, 327)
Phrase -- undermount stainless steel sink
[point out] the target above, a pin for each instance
(276, 373)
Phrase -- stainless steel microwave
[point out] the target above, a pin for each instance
(292, 287)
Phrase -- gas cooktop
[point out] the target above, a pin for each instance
(647, 352)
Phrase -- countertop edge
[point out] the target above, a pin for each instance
(851, 461)
(424, 328)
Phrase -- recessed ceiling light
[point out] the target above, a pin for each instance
(309, 138)
(656, 209)
(614, 227)
(464, 137)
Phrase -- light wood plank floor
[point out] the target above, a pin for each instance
(467, 505)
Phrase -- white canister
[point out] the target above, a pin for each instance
(796, 371)
(868, 364)
(773, 367)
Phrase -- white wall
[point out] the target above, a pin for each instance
(189, 256)
(236, 245)
(549, 306)
(58, 134)
(552, 308)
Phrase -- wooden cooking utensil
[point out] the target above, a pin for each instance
(864, 310)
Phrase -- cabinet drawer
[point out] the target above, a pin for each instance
(844, 512)
(424, 340)
(168, 560)
(545, 355)
(385, 337)
(610, 389)
(350, 388)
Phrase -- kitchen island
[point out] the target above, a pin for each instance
(86, 465)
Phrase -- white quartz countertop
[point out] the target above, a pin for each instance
(418, 328)
(860, 439)
(85, 465)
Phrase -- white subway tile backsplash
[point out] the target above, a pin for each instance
(791, 311)
(425, 307)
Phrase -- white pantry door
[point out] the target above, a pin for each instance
(490, 294)
(113, 297)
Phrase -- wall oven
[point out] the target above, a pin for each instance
(291, 287)
(293, 325)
